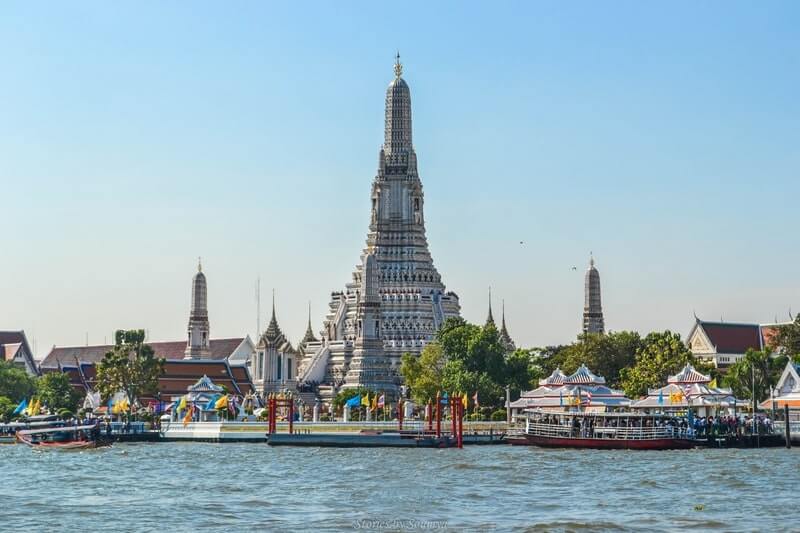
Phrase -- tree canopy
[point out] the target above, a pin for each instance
(605, 355)
(130, 367)
(759, 368)
(55, 391)
(787, 340)
(660, 355)
(15, 383)
(467, 358)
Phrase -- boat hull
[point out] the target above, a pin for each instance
(601, 444)
(69, 445)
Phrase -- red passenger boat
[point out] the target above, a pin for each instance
(610, 431)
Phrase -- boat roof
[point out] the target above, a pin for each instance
(600, 415)
(55, 430)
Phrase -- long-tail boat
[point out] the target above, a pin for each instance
(62, 438)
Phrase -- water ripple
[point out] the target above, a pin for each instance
(212, 487)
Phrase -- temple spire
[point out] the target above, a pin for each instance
(198, 330)
(505, 338)
(490, 318)
(592, 308)
(397, 129)
(309, 336)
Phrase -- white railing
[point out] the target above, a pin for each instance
(622, 433)
(338, 318)
(311, 370)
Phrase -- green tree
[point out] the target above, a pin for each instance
(456, 379)
(758, 365)
(478, 347)
(6, 408)
(661, 355)
(550, 357)
(524, 369)
(15, 383)
(55, 391)
(130, 367)
(423, 374)
(787, 340)
(605, 355)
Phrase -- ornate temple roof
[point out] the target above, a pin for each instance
(584, 376)
(689, 375)
(505, 338)
(727, 337)
(309, 336)
(556, 378)
(205, 384)
(273, 336)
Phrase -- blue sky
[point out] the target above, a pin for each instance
(135, 137)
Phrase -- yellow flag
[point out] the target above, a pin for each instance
(182, 404)
(713, 383)
(221, 403)
(464, 401)
(365, 400)
(375, 401)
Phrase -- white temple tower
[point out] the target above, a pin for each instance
(592, 308)
(396, 301)
(197, 344)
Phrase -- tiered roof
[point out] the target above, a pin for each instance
(13, 344)
(558, 391)
(689, 375)
(688, 387)
(584, 376)
(556, 378)
(170, 350)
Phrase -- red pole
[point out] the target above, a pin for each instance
(400, 414)
(460, 425)
(270, 413)
(453, 414)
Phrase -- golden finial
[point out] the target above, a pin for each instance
(398, 66)
(199, 264)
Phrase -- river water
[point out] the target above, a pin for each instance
(251, 487)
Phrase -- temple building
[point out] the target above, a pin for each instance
(396, 300)
(187, 361)
(274, 366)
(582, 390)
(14, 349)
(724, 343)
(787, 390)
(690, 388)
(592, 307)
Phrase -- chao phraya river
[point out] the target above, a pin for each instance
(250, 487)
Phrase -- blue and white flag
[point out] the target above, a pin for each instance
(21, 407)
(210, 406)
